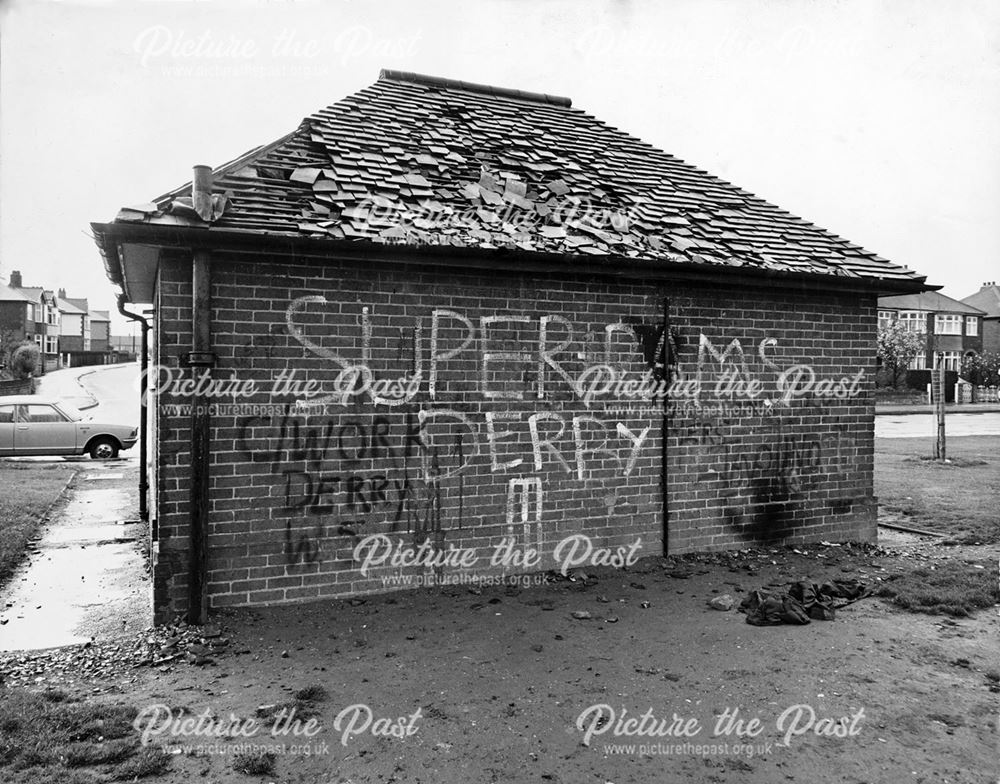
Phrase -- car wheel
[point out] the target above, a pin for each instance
(103, 449)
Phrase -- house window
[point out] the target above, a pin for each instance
(884, 318)
(949, 360)
(38, 340)
(31, 312)
(914, 321)
(971, 326)
(50, 345)
(946, 324)
(919, 362)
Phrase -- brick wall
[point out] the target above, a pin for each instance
(14, 318)
(755, 474)
(991, 333)
(171, 444)
(494, 443)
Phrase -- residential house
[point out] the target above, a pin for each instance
(100, 330)
(987, 299)
(524, 324)
(17, 319)
(47, 320)
(75, 333)
(952, 329)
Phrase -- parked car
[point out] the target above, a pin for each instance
(33, 425)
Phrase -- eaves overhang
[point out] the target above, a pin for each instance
(131, 254)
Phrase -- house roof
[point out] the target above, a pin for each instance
(415, 160)
(36, 294)
(986, 299)
(67, 307)
(928, 300)
(8, 294)
(99, 315)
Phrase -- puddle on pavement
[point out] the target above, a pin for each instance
(86, 576)
(93, 534)
(63, 600)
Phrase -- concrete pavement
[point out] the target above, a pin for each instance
(86, 578)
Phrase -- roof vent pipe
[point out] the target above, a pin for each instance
(201, 192)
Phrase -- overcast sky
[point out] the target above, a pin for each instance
(879, 121)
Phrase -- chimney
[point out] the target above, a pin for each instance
(62, 294)
(201, 192)
(15, 279)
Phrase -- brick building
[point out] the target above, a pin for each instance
(100, 330)
(987, 299)
(520, 324)
(17, 313)
(951, 328)
(75, 331)
(30, 313)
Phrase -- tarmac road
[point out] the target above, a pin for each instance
(113, 388)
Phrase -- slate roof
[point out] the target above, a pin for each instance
(38, 294)
(986, 299)
(8, 294)
(417, 160)
(99, 315)
(66, 306)
(928, 300)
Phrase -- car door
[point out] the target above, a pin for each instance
(42, 429)
(7, 429)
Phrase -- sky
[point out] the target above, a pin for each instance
(877, 120)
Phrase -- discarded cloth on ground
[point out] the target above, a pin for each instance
(804, 601)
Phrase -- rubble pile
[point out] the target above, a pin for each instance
(158, 647)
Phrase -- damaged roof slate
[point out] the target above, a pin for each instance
(415, 160)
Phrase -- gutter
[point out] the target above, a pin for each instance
(111, 235)
(200, 357)
(143, 411)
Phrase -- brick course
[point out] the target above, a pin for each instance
(291, 494)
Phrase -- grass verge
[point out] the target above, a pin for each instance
(950, 588)
(50, 737)
(27, 490)
(957, 499)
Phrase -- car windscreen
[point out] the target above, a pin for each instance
(71, 411)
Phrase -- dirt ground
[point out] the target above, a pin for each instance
(491, 683)
(502, 676)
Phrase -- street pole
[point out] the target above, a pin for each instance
(940, 452)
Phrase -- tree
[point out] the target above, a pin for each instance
(897, 347)
(8, 342)
(982, 370)
(24, 360)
